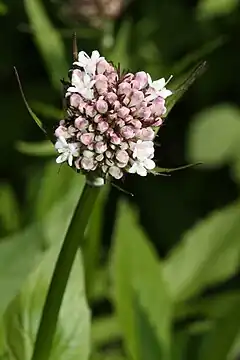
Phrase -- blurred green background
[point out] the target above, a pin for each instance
(161, 267)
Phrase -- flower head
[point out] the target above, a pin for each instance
(109, 127)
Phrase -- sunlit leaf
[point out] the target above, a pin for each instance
(211, 8)
(214, 135)
(140, 292)
(208, 253)
(22, 318)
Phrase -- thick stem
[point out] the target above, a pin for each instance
(73, 239)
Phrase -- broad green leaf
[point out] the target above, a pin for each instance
(218, 342)
(48, 40)
(214, 135)
(208, 253)
(141, 295)
(22, 317)
(104, 330)
(18, 256)
(92, 246)
(43, 148)
(9, 209)
(211, 8)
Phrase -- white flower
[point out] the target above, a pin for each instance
(143, 150)
(141, 167)
(82, 83)
(66, 150)
(89, 63)
(158, 88)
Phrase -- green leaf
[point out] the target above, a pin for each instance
(43, 148)
(209, 8)
(119, 53)
(208, 253)
(104, 330)
(32, 114)
(182, 84)
(214, 135)
(92, 247)
(9, 209)
(47, 110)
(141, 295)
(159, 170)
(18, 256)
(22, 318)
(73, 239)
(218, 342)
(48, 40)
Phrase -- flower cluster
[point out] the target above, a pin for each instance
(109, 127)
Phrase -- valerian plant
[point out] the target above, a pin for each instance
(111, 122)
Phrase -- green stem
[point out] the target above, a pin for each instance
(62, 271)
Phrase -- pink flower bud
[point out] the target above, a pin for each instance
(142, 79)
(98, 138)
(127, 132)
(128, 119)
(97, 118)
(123, 112)
(101, 84)
(126, 100)
(87, 163)
(109, 162)
(101, 106)
(61, 131)
(120, 123)
(115, 140)
(110, 132)
(111, 97)
(112, 78)
(102, 66)
(136, 123)
(158, 122)
(99, 157)
(90, 147)
(124, 88)
(116, 105)
(112, 117)
(122, 156)
(75, 100)
(124, 146)
(87, 138)
(115, 172)
(81, 123)
(147, 134)
(90, 111)
(109, 154)
(157, 106)
(102, 126)
(136, 98)
(100, 147)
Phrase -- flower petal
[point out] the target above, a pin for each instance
(141, 170)
(159, 84)
(61, 158)
(70, 159)
(149, 164)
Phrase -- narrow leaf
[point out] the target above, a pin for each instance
(33, 115)
(43, 148)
